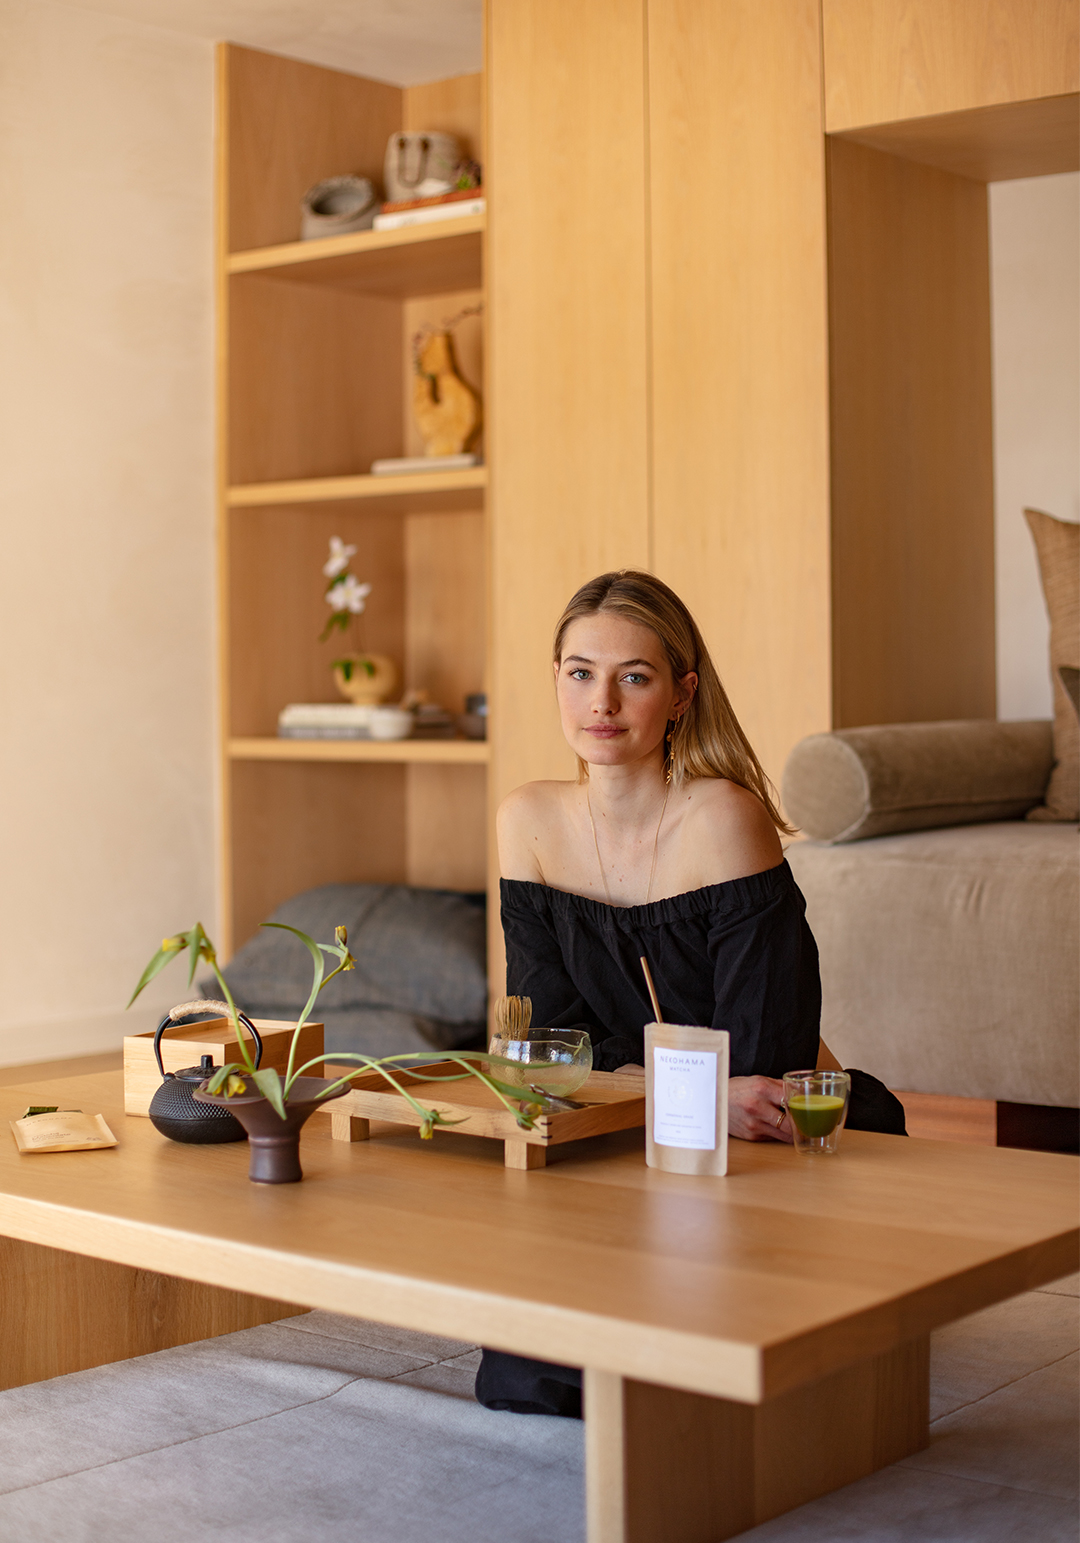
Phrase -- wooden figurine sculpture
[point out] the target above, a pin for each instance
(446, 409)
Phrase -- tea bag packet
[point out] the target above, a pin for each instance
(686, 1112)
(61, 1130)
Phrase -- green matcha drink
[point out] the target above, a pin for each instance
(815, 1114)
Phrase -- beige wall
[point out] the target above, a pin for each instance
(106, 706)
(1035, 276)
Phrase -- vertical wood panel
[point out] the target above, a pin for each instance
(913, 533)
(446, 827)
(892, 59)
(446, 636)
(567, 368)
(316, 379)
(291, 125)
(453, 106)
(739, 350)
(62, 1312)
(445, 598)
(296, 825)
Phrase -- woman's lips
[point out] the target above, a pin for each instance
(605, 731)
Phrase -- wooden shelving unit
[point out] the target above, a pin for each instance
(407, 752)
(426, 490)
(431, 259)
(315, 386)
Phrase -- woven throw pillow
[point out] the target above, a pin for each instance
(1057, 543)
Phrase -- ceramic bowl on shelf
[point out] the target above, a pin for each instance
(390, 723)
(555, 1060)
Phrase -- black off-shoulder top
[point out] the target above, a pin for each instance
(738, 956)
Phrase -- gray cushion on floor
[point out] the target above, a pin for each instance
(280, 1434)
(329, 1427)
(421, 970)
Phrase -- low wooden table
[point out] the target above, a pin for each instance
(749, 1342)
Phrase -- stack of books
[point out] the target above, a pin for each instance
(422, 211)
(324, 720)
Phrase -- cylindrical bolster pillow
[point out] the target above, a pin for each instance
(856, 783)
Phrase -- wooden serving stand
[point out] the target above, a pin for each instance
(615, 1101)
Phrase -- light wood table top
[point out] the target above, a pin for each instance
(742, 1287)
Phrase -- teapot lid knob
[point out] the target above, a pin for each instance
(207, 1065)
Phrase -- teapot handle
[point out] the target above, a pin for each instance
(185, 1010)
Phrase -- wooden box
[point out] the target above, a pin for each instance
(187, 1044)
(612, 1100)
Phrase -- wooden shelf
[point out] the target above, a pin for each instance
(433, 259)
(422, 490)
(423, 752)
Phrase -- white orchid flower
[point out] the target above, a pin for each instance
(348, 595)
(338, 560)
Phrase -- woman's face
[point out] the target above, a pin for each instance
(616, 691)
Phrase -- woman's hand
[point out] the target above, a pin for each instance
(754, 1107)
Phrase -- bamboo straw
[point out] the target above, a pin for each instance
(652, 988)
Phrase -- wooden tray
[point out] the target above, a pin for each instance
(616, 1101)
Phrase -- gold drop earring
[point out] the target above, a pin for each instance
(670, 769)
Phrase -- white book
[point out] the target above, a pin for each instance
(336, 715)
(430, 215)
(401, 465)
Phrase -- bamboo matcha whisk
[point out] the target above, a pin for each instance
(513, 1015)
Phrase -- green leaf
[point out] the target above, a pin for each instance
(268, 1081)
(168, 950)
(320, 969)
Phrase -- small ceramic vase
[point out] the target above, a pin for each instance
(275, 1143)
(373, 678)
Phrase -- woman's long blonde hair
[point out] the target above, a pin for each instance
(707, 741)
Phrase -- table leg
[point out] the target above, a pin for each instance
(524, 1154)
(349, 1127)
(663, 1466)
(62, 1312)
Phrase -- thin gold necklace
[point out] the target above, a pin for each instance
(655, 845)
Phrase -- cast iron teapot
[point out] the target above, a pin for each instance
(173, 1110)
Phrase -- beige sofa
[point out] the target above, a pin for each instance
(949, 955)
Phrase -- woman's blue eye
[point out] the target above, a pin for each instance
(637, 680)
(579, 674)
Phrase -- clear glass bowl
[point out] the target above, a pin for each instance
(555, 1060)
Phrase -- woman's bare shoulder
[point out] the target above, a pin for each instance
(533, 800)
(731, 831)
(524, 823)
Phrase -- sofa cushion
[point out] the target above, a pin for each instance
(420, 977)
(1057, 543)
(856, 783)
(949, 960)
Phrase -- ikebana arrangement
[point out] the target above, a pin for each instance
(362, 677)
(272, 1108)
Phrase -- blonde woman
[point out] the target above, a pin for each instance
(666, 845)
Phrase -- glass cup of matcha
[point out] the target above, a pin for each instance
(816, 1105)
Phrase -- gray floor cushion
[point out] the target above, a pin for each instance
(332, 1428)
(420, 980)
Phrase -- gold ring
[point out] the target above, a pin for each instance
(780, 1121)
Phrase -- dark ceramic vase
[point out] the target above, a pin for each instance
(274, 1142)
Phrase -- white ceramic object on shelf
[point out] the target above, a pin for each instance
(420, 164)
(337, 207)
(390, 723)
